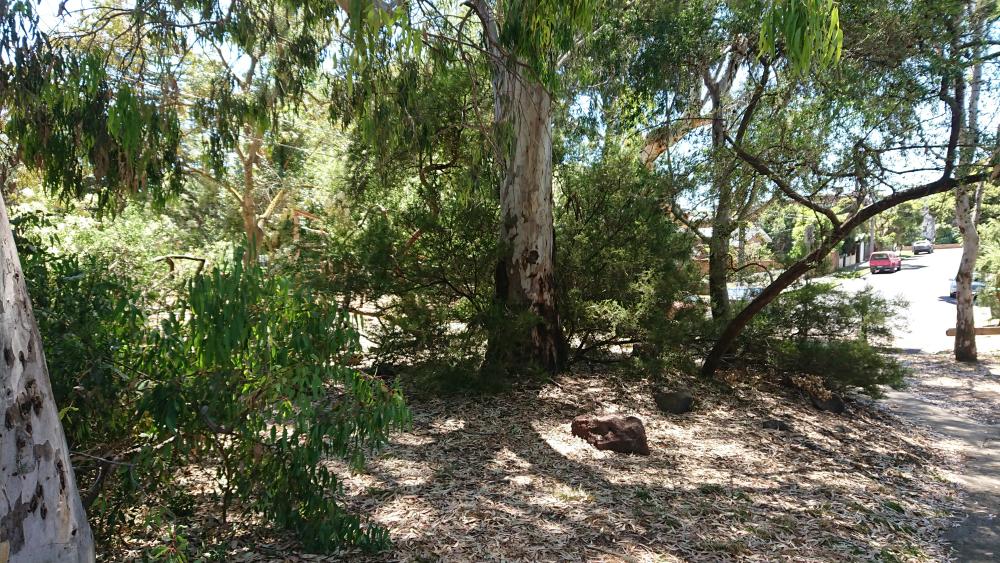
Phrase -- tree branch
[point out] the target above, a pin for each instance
(759, 165)
(229, 188)
(278, 199)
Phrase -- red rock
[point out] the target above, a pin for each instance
(623, 435)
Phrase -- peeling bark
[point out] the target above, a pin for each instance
(41, 516)
(525, 277)
(965, 216)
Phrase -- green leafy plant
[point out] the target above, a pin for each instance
(843, 364)
(249, 366)
(808, 31)
(820, 330)
(243, 373)
(610, 220)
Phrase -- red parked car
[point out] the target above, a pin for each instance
(885, 262)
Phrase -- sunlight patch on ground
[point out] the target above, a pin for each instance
(504, 478)
(447, 425)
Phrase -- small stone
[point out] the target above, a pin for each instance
(834, 404)
(674, 402)
(775, 424)
(623, 435)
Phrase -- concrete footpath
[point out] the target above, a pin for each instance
(962, 403)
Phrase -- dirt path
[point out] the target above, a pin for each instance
(962, 404)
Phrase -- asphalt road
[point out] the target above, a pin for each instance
(924, 282)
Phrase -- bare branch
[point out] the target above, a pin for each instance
(759, 165)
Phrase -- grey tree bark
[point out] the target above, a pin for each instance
(41, 516)
(965, 216)
(525, 276)
(722, 219)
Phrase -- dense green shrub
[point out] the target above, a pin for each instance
(625, 275)
(420, 277)
(820, 330)
(842, 364)
(249, 365)
(414, 245)
(946, 235)
(243, 371)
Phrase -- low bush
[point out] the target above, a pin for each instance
(820, 330)
(842, 364)
(241, 372)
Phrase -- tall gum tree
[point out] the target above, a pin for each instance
(712, 81)
(965, 199)
(526, 45)
(525, 275)
(69, 121)
(733, 202)
(41, 514)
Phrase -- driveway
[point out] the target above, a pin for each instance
(924, 282)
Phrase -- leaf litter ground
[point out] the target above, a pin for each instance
(501, 478)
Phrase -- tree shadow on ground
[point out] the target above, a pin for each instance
(502, 478)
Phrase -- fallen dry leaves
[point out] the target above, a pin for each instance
(501, 478)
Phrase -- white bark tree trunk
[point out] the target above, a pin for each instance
(965, 216)
(526, 276)
(41, 515)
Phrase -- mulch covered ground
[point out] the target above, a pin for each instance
(501, 478)
(967, 390)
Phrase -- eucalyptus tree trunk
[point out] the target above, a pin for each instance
(965, 325)
(722, 220)
(41, 515)
(965, 216)
(248, 206)
(525, 276)
(718, 263)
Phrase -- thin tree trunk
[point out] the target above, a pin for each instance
(965, 325)
(248, 207)
(871, 240)
(965, 216)
(722, 220)
(525, 277)
(718, 269)
(41, 516)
